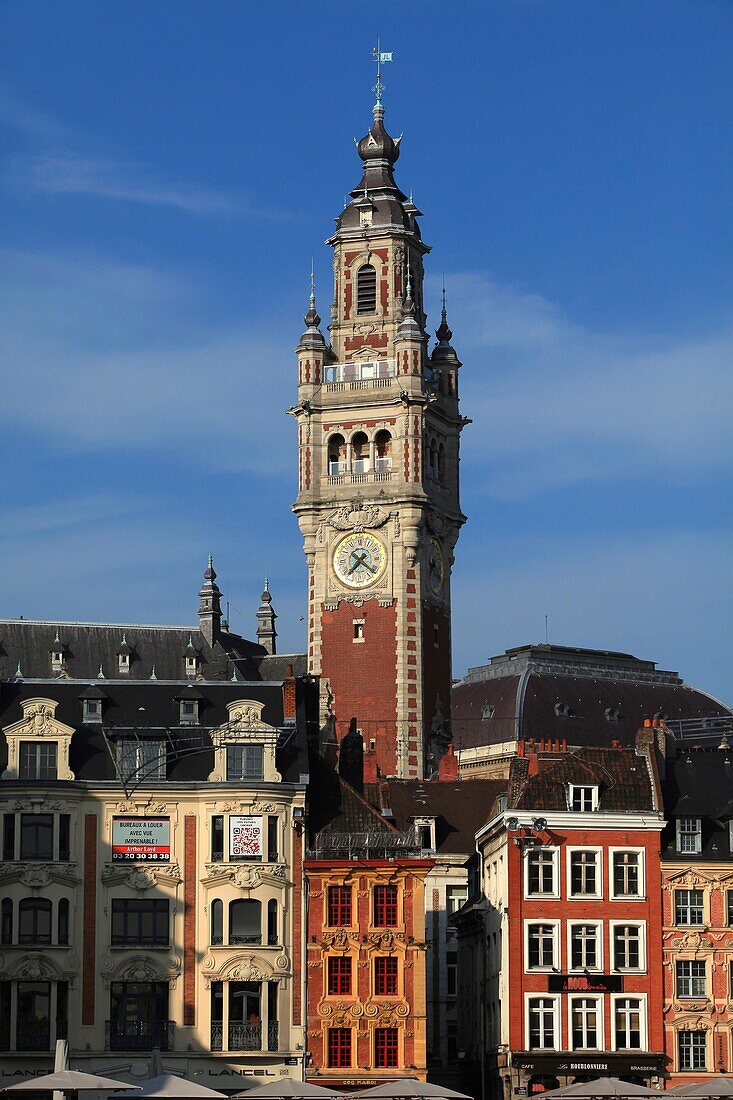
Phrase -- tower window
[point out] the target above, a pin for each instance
(358, 630)
(336, 455)
(366, 289)
(383, 452)
(360, 454)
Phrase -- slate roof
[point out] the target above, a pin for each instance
(335, 807)
(152, 708)
(600, 696)
(622, 776)
(89, 646)
(460, 808)
(698, 782)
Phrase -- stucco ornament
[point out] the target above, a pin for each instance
(245, 727)
(38, 722)
(358, 516)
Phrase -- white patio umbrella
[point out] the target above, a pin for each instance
(604, 1086)
(159, 1083)
(288, 1090)
(408, 1088)
(716, 1086)
(69, 1080)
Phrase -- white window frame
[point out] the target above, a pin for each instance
(91, 718)
(643, 1020)
(582, 787)
(555, 853)
(703, 1069)
(641, 925)
(598, 998)
(705, 906)
(598, 968)
(691, 997)
(555, 998)
(641, 853)
(679, 833)
(555, 965)
(598, 896)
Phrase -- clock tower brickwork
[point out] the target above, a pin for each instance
(378, 503)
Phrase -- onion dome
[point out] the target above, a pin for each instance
(379, 152)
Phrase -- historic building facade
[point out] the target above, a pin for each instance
(366, 946)
(378, 505)
(560, 960)
(152, 840)
(697, 891)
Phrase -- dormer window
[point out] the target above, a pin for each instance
(689, 834)
(124, 657)
(192, 664)
(58, 655)
(425, 830)
(189, 712)
(92, 710)
(562, 710)
(582, 799)
(488, 712)
(191, 659)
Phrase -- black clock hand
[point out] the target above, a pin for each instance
(360, 560)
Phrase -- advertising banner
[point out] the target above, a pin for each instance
(141, 838)
(245, 837)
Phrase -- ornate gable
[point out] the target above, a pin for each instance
(38, 723)
(245, 727)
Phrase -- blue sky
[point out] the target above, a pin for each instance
(168, 170)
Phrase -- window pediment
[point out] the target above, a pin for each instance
(245, 727)
(38, 722)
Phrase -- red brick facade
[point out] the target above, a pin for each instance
(363, 674)
(366, 1017)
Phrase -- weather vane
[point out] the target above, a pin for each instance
(380, 58)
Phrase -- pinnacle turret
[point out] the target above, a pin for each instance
(210, 605)
(266, 632)
(312, 337)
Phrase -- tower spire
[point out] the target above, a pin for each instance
(266, 633)
(210, 605)
(312, 337)
(380, 58)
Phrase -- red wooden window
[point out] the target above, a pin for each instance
(339, 1047)
(385, 976)
(339, 906)
(339, 974)
(385, 906)
(385, 1047)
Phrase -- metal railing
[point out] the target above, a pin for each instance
(360, 375)
(244, 1036)
(33, 1037)
(138, 1035)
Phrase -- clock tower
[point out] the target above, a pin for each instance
(378, 504)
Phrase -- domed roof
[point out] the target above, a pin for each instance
(379, 153)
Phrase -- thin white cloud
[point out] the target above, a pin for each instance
(109, 357)
(559, 404)
(69, 173)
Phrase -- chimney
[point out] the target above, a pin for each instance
(448, 765)
(351, 758)
(534, 764)
(371, 772)
(289, 693)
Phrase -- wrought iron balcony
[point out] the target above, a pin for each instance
(33, 1037)
(244, 1036)
(138, 1035)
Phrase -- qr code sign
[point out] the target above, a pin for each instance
(245, 837)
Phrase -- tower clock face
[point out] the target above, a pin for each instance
(359, 560)
(436, 567)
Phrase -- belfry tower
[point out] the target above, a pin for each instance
(378, 502)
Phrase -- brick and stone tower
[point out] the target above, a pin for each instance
(378, 502)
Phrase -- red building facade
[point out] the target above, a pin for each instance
(573, 981)
(366, 950)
